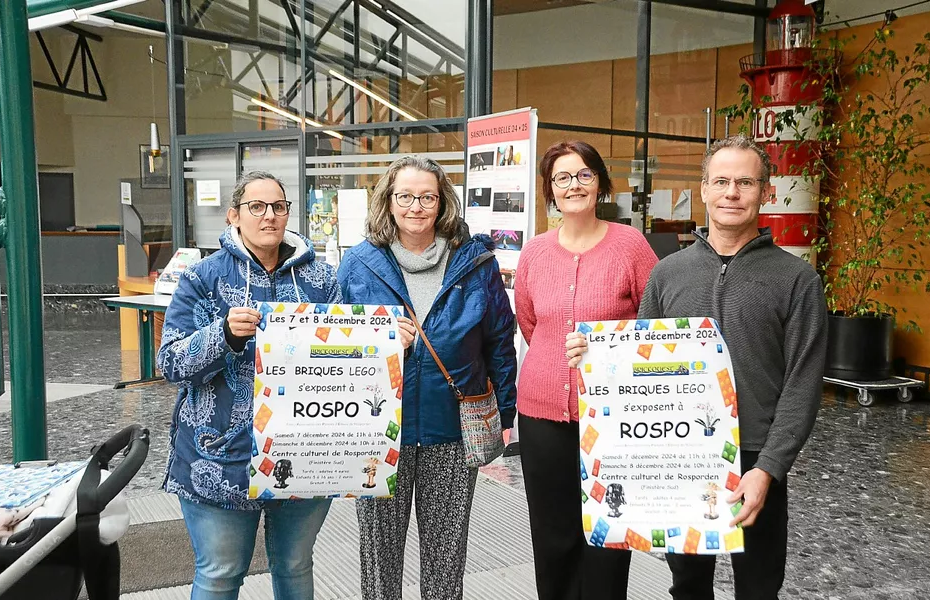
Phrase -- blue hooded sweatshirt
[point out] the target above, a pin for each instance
(211, 428)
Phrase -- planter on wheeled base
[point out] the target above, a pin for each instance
(859, 348)
(867, 389)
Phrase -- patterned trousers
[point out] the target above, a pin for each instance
(443, 487)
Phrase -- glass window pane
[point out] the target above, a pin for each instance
(150, 9)
(406, 64)
(206, 221)
(281, 160)
(241, 66)
(592, 82)
(357, 163)
(694, 64)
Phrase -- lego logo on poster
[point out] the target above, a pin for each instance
(698, 367)
(660, 368)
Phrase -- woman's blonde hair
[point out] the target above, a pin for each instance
(381, 229)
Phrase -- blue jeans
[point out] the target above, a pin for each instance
(224, 541)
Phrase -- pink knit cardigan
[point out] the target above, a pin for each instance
(555, 289)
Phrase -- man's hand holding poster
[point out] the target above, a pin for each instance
(327, 401)
(659, 437)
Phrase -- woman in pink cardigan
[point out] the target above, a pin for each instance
(587, 270)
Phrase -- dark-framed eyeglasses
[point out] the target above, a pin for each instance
(405, 200)
(258, 208)
(563, 179)
(743, 184)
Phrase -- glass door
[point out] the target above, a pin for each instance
(211, 170)
(209, 178)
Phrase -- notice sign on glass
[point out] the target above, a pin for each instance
(327, 401)
(659, 437)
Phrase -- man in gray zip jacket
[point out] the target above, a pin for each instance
(771, 311)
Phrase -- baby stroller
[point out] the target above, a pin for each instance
(51, 557)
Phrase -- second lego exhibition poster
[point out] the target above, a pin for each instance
(659, 437)
(327, 401)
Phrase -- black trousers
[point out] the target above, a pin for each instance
(759, 572)
(567, 568)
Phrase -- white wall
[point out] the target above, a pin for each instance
(99, 141)
(54, 143)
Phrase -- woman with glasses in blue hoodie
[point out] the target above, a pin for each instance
(208, 350)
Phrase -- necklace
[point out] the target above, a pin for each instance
(582, 243)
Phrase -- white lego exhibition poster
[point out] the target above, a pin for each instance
(659, 437)
(327, 401)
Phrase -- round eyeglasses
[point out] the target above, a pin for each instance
(405, 200)
(563, 179)
(258, 208)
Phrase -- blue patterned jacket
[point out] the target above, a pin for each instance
(211, 428)
(470, 325)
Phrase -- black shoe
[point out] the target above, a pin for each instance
(512, 449)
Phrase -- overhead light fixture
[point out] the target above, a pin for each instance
(296, 118)
(372, 95)
(94, 21)
(154, 144)
(70, 15)
(55, 19)
(134, 29)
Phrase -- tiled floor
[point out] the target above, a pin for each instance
(859, 493)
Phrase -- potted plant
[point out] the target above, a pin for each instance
(377, 402)
(871, 123)
(710, 420)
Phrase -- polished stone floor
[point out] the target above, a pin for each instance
(859, 493)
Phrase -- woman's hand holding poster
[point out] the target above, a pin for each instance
(328, 386)
(659, 437)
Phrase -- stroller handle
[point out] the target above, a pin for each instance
(135, 439)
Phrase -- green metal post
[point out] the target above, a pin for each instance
(23, 257)
(146, 339)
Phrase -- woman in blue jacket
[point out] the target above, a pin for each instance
(208, 349)
(418, 252)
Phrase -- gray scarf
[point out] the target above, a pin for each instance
(423, 273)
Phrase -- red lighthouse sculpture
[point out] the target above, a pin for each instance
(781, 81)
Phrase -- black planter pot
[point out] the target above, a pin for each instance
(859, 348)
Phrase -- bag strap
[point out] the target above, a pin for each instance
(455, 389)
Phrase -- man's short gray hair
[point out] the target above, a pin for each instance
(239, 190)
(738, 142)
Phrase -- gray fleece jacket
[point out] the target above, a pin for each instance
(773, 317)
